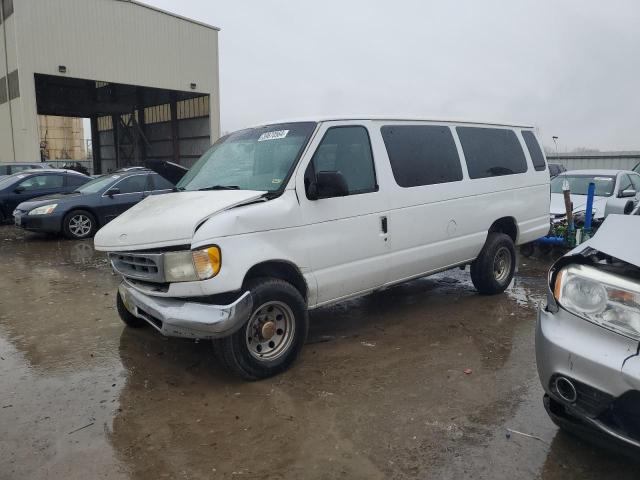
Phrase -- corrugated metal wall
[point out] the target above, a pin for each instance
(157, 134)
(613, 160)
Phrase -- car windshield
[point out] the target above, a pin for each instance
(97, 184)
(253, 159)
(579, 184)
(637, 168)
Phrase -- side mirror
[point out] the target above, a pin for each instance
(112, 191)
(327, 185)
(618, 206)
(19, 189)
(628, 193)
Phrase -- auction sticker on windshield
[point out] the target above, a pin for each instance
(278, 134)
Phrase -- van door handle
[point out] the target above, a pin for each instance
(384, 224)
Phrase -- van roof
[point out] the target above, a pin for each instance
(333, 118)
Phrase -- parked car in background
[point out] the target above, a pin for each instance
(79, 213)
(77, 166)
(278, 219)
(11, 168)
(556, 169)
(29, 184)
(588, 335)
(610, 184)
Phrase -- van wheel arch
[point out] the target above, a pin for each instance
(506, 225)
(282, 270)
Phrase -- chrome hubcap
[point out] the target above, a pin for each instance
(270, 330)
(502, 264)
(80, 225)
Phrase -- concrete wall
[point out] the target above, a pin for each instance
(106, 40)
(7, 64)
(606, 160)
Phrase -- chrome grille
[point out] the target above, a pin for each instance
(139, 266)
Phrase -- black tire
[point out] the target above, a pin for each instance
(487, 276)
(234, 351)
(72, 230)
(126, 316)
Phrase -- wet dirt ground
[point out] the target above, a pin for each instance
(380, 391)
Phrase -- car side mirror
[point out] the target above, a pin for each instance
(628, 193)
(112, 191)
(19, 189)
(327, 185)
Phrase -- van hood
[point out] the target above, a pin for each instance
(166, 220)
(579, 204)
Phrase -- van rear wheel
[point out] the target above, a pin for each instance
(271, 339)
(493, 270)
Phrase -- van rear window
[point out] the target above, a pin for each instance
(534, 150)
(491, 152)
(422, 154)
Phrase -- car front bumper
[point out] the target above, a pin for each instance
(38, 223)
(175, 317)
(603, 366)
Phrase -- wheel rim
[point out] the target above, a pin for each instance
(502, 264)
(270, 331)
(80, 225)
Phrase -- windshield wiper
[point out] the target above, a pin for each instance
(220, 187)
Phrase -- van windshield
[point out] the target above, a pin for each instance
(254, 159)
(579, 184)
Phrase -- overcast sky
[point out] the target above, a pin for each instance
(569, 67)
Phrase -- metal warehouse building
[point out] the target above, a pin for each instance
(147, 79)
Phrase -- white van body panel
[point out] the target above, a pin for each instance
(338, 244)
(167, 220)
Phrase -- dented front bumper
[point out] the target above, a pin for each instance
(175, 317)
(603, 365)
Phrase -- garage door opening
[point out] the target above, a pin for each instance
(129, 124)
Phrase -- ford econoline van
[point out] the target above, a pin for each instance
(282, 218)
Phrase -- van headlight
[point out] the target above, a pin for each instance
(190, 266)
(604, 298)
(44, 210)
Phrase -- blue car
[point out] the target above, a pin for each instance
(80, 213)
(28, 184)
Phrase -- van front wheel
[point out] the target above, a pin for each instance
(493, 270)
(271, 339)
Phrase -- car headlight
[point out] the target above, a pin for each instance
(190, 266)
(604, 298)
(44, 210)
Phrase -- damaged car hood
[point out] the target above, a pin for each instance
(165, 220)
(579, 204)
(618, 237)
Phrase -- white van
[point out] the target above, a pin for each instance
(279, 219)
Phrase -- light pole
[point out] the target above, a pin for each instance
(555, 142)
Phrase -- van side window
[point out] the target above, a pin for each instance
(534, 150)
(422, 154)
(347, 150)
(491, 152)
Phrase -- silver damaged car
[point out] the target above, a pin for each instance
(588, 336)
